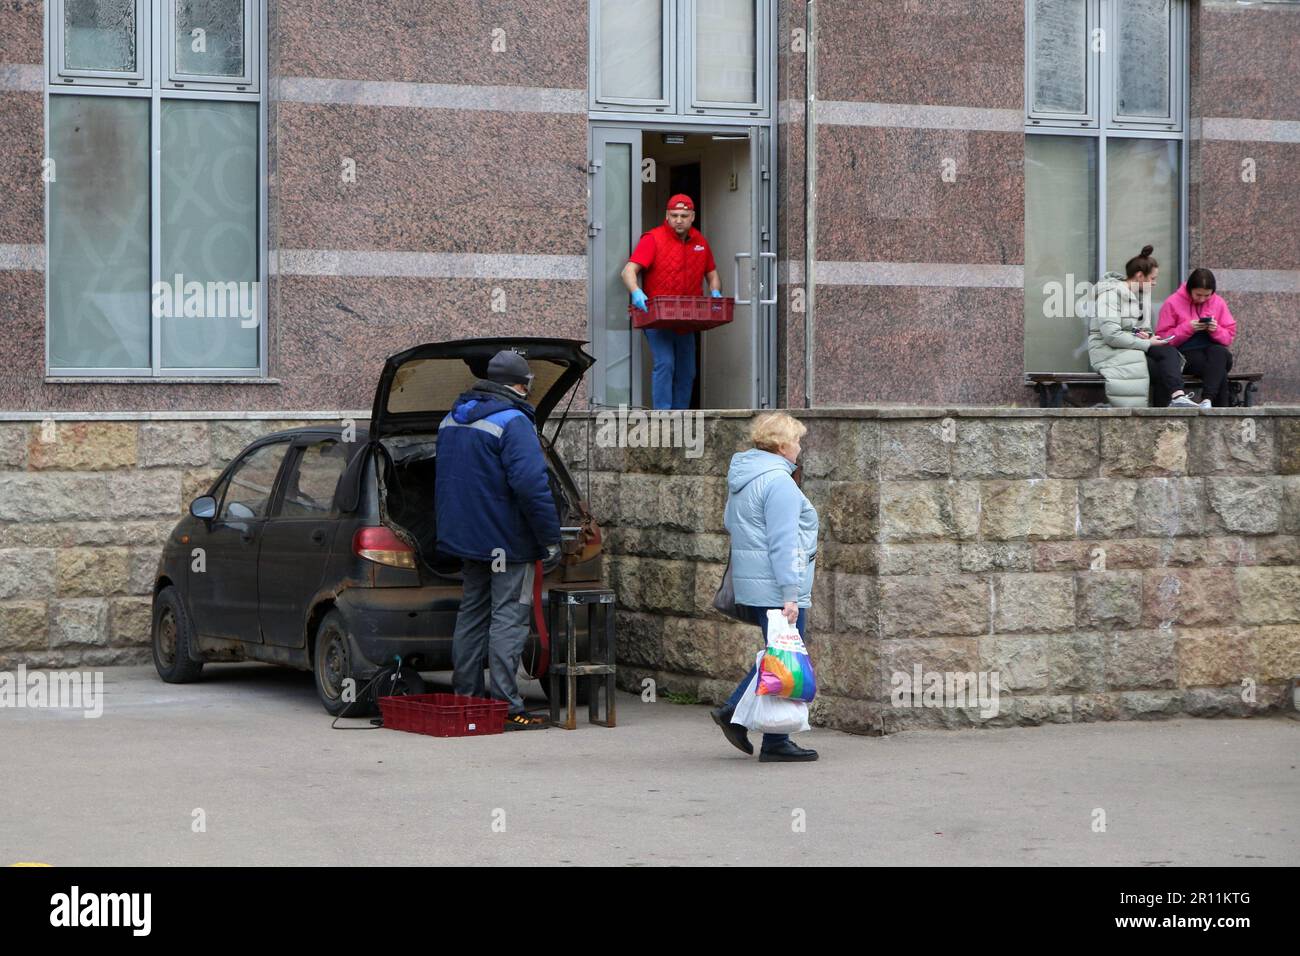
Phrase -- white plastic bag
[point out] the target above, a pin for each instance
(769, 714)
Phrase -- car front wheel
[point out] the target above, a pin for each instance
(172, 636)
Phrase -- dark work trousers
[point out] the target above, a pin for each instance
(1165, 365)
(492, 622)
(1211, 365)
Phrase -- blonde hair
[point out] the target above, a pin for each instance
(775, 429)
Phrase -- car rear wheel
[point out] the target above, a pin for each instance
(332, 666)
(172, 637)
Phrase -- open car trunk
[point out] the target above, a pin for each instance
(416, 391)
(407, 473)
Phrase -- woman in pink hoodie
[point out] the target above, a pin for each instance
(1197, 322)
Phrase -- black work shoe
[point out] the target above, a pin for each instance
(786, 752)
(525, 721)
(736, 734)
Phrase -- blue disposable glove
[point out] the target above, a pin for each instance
(639, 300)
(717, 294)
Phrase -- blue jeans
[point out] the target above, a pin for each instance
(758, 615)
(674, 367)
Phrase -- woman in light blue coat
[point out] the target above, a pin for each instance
(773, 531)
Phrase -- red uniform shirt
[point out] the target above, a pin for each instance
(670, 266)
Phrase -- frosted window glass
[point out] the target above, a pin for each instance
(1060, 38)
(99, 232)
(219, 49)
(1060, 249)
(210, 234)
(630, 57)
(618, 246)
(1142, 207)
(99, 35)
(725, 42)
(1142, 68)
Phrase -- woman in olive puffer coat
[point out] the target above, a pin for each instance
(1120, 333)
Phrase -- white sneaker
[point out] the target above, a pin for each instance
(1206, 403)
(1182, 401)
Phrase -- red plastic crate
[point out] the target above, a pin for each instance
(444, 715)
(684, 313)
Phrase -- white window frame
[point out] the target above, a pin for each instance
(1178, 63)
(62, 75)
(173, 79)
(679, 70)
(762, 39)
(1092, 70)
(153, 87)
(597, 100)
(1109, 127)
(1101, 67)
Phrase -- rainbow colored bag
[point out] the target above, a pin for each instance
(785, 670)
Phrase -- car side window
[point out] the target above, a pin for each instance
(248, 490)
(309, 490)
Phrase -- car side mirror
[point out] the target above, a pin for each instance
(204, 507)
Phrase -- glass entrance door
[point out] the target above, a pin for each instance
(739, 359)
(614, 229)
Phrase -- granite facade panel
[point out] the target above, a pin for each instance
(1248, 205)
(342, 329)
(1244, 61)
(22, 131)
(431, 180)
(22, 28)
(1266, 341)
(919, 345)
(935, 52)
(22, 347)
(886, 195)
(489, 42)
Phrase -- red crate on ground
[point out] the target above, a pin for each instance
(444, 715)
(684, 313)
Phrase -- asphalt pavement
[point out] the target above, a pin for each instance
(243, 768)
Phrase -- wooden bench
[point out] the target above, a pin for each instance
(1054, 387)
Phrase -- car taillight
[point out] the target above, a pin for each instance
(383, 547)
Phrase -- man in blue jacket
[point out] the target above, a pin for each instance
(496, 513)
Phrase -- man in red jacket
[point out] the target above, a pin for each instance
(676, 260)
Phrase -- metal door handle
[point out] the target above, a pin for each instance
(739, 300)
(318, 536)
(771, 301)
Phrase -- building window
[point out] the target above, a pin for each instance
(1104, 158)
(680, 57)
(156, 238)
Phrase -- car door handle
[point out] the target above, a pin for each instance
(318, 536)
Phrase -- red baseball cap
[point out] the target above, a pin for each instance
(681, 200)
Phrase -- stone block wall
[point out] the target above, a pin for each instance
(85, 507)
(1106, 564)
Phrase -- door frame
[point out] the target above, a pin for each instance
(763, 226)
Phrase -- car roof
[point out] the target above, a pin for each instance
(325, 431)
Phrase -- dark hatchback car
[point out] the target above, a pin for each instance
(315, 548)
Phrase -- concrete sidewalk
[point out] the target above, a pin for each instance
(250, 746)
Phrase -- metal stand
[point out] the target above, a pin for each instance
(562, 623)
